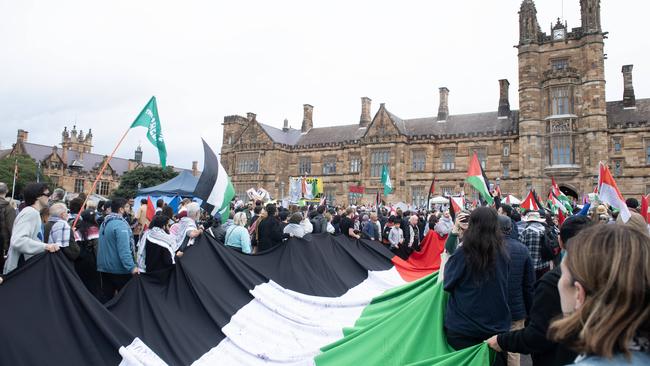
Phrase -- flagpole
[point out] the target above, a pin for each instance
(13, 187)
(101, 171)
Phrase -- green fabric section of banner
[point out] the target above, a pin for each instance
(404, 326)
(479, 184)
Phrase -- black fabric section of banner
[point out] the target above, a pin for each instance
(179, 313)
(49, 318)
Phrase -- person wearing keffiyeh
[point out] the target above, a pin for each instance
(156, 246)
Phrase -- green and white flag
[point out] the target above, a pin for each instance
(149, 118)
(214, 186)
(385, 180)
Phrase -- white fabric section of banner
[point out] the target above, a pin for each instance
(608, 194)
(284, 327)
(139, 354)
(218, 191)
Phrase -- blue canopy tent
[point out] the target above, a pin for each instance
(181, 185)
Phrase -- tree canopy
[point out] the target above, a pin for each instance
(27, 170)
(147, 176)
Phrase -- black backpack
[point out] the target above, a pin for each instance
(549, 245)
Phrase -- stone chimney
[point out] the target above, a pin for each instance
(195, 168)
(504, 103)
(285, 127)
(22, 136)
(307, 121)
(251, 116)
(364, 121)
(443, 108)
(628, 88)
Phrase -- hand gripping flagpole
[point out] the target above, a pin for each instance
(101, 171)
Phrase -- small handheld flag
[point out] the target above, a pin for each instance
(477, 179)
(608, 192)
(385, 180)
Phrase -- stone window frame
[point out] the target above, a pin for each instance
(560, 63)
(242, 192)
(506, 170)
(418, 160)
(379, 158)
(248, 163)
(555, 108)
(103, 188)
(330, 194)
(481, 152)
(646, 150)
(448, 159)
(560, 140)
(447, 190)
(329, 165)
(304, 165)
(355, 163)
(78, 185)
(616, 139)
(506, 149)
(618, 166)
(419, 196)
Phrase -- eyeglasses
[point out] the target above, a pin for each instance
(46, 194)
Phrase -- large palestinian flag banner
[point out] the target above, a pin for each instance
(321, 300)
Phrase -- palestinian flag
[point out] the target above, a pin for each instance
(608, 192)
(214, 186)
(324, 300)
(151, 209)
(477, 179)
(530, 202)
(566, 202)
(457, 203)
(62, 323)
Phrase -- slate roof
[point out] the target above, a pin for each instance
(90, 161)
(4, 153)
(619, 115)
(455, 125)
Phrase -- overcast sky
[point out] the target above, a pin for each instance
(96, 63)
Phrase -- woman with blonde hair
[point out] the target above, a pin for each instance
(605, 297)
(237, 236)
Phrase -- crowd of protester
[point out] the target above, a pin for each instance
(576, 292)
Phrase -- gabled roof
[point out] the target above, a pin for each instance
(617, 114)
(88, 162)
(289, 137)
(461, 124)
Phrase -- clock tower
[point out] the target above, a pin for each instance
(563, 121)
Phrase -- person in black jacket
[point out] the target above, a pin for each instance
(546, 306)
(520, 281)
(318, 221)
(269, 230)
(476, 278)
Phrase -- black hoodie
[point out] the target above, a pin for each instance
(532, 339)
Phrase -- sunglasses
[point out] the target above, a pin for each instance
(46, 194)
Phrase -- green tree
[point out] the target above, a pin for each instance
(27, 170)
(147, 176)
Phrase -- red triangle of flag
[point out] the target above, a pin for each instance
(474, 167)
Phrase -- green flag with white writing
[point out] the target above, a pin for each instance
(149, 118)
(385, 180)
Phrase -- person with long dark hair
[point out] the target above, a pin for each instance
(476, 278)
(86, 235)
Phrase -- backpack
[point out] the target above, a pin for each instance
(549, 245)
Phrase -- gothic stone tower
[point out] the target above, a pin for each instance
(563, 121)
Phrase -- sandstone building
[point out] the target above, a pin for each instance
(563, 128)
(74, 166)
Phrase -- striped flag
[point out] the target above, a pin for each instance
(644, 208)
(214, 186)
(477, 179)
(608, 192)
(530, 202)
